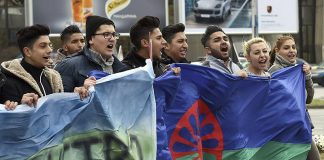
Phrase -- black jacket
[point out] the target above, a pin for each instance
(22, 78)
(166, 60)
(133, 60)
(75, 69)
(2, 79)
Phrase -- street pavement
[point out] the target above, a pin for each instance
(317, 115)
(319, 92)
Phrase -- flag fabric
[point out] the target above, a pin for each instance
(117, 121)
(98, 74)
(201, 114)
(206, 114)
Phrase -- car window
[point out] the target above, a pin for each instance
(321, 65)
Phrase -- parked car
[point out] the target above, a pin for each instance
(243, 62)
(206, 9)
(318, 74)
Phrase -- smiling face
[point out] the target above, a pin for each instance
(288, 50)
(218, 45)
(258, 56)
(101, 45)
(39, 54)
(177, 48)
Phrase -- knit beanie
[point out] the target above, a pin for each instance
(92, 25)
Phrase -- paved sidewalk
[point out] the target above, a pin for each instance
(319, 92)
(317, 116)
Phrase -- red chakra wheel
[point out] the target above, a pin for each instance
(197, 134)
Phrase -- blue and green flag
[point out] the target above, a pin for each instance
(201, 114)
(211, 115)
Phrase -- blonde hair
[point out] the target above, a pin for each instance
(247, 45)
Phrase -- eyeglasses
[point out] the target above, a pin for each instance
(109, 35)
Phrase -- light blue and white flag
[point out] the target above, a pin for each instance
(117, 121)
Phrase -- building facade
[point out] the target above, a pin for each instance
(310, 39)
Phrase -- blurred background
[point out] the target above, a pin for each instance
(309, 39)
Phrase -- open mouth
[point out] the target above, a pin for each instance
(183, 52)
(291, 56)
(110, 46)
(263, 61)
(224, 48)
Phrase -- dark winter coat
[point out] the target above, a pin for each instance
(22, 78)
(166, 61)
(133, 60)
(75, 69)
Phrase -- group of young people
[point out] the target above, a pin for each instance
(24, 80)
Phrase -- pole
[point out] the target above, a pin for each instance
(255, 32)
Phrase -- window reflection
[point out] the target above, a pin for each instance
(15, 3)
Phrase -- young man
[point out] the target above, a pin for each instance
(140, 34)
(217, 47)
(175, 50)
(101, 39)
(29, 78)
(72, 42)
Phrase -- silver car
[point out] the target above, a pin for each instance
(318, 74)
(206, 9)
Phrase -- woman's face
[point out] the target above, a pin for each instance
(288, 50)
(259, 56)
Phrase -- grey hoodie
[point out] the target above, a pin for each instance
(218, 64)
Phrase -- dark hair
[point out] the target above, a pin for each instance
(142, 28)
(278, 44)
(272, 57)
(169, 31)
(68, 31)
(209, 31)
(27, 36)
(93, 23)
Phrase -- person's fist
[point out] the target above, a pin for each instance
(30, 99)
(306, 68)
(9, 105)
(82, 91)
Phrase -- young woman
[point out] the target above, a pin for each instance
(256, 51)
(284, 54)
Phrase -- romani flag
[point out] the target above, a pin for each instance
(206, 114)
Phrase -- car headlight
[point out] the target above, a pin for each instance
(218, 5)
